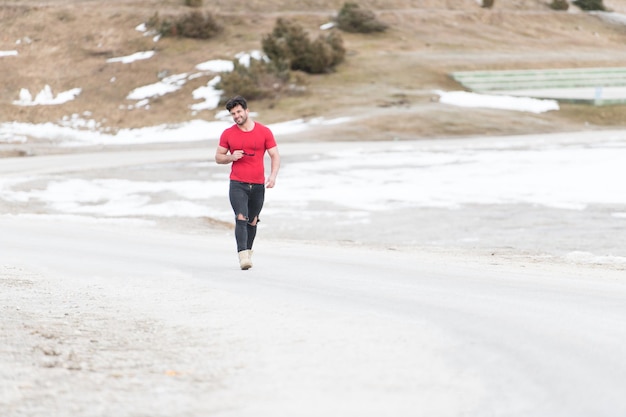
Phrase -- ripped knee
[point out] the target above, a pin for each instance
(252, 222)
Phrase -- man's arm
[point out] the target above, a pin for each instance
(275, 159)
(223, 157)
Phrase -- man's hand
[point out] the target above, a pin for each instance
(237, 155)
(223, 157)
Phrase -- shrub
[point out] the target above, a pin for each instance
(289, 46)
(590, 5)
(335, 41)
(488, 4)
(191, 25)
(193, 3)
(559, 5)
(259, 80)
(351, 18)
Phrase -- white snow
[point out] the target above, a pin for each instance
(611, 17)
(138, 56)
(46, 98)
(209, 94)
(489, 101)
(448, 178)
(165, 86)
(216, 65)
(244, 58)
(545, 175)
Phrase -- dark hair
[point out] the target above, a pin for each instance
(236, 101)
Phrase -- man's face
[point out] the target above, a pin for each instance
(239, 115)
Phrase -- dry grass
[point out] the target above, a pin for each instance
(386, 83)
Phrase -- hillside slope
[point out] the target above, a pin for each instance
(386, 84)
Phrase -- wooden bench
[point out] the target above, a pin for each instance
(568, 78)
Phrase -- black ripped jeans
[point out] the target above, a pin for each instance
(247, 200)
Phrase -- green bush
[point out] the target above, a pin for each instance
(590, 5)
(191, 25)
(351, 18)
(258, 81)
(338, 52)
(488, 3)
(289, 46)
(193, 3)
(559, 5)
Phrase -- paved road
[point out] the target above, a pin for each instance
(119, 319)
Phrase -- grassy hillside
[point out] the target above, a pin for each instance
(386, 83)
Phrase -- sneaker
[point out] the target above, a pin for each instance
(244, 259)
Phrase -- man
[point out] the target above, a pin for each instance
(243, 145)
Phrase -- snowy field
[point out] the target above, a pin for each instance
(557, 195)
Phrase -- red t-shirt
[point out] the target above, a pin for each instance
(250, 168)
